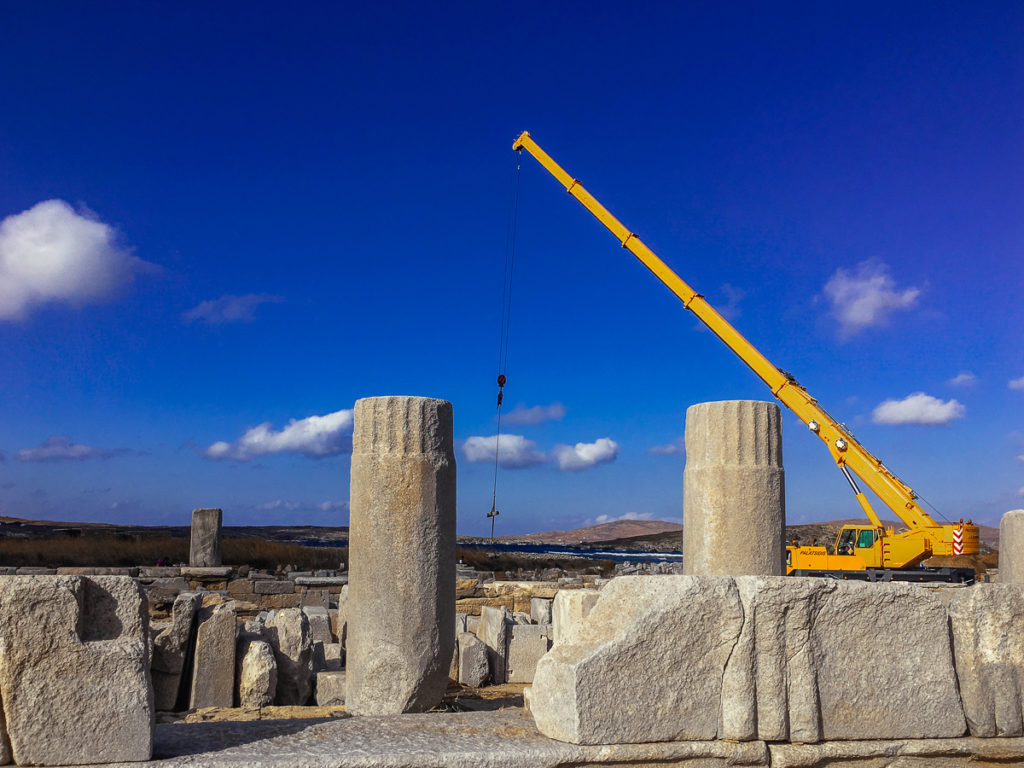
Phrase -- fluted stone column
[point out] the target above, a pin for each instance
(734, 510)
(401, 589)
(1011, 547)
(204, 547)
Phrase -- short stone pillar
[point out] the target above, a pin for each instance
(1011, 547)
(734, 510)
(401, 589)
(204, 548)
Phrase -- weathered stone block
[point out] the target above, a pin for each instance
(1011, 547)
(770, 658)
(540, 610)
(74, 670)
(568, 610)
(170, 648)
(528, 642)
(319, 624)
(401, 598)
(734, 489)
(471, 605)
(257, 673)
(279, 602)
(285, 587)
(330, 688)
(204, 548)
(648, 666)
(988, 642)
(319, 598)
(473, 665)
(816, 661)
(327, 656)
(213, 662)
(289, 636)
(493, 631)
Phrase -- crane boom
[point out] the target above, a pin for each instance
(845, 449)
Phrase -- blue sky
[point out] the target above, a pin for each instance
(222, 224)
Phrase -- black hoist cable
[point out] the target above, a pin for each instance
(506, 323)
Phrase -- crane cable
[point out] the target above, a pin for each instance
(506, 322)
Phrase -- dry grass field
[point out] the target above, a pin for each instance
(124, 550)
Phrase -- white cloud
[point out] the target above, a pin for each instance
(50, 253)
(1016, 383)
(60, 448)
(585, 455)
(1021, 457)
(1020, 491)
(230, 309)
(918, 408)
(514, 451)
(866, 297)
(314, 436)
(963, 379)
(600, 519)
(676, 447)
(535, 414)
(731, 309)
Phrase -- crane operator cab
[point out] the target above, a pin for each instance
(857, 547)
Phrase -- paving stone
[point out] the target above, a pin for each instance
(74, 670)
(211, 573)
(500, 739)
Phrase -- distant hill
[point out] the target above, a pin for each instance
(617, 529)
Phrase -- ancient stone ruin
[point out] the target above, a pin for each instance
(730, 664)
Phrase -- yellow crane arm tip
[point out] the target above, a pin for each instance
(518, 143)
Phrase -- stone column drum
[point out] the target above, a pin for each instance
(204, 546)
(401, 589)
(734, 510)
(1011, 547)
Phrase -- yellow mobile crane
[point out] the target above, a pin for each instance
(874, 552)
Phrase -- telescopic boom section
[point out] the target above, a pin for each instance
(844, 448)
